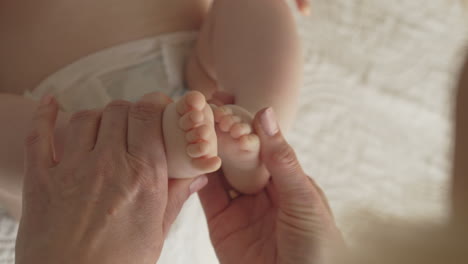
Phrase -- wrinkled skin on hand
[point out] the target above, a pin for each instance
(108, 198)
(288, 222)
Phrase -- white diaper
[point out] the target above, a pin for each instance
(127, 72)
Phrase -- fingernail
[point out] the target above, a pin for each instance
(268, 122)
(46, 99)
(198, 184)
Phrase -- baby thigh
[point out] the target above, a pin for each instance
(257, 55)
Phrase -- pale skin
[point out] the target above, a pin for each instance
(287, 195)
(31, 54)
(114, 168)
(144, 18)
(108, 196)
(288, 222)
(251, 50)
(188, 136)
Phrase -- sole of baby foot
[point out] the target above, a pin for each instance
(239, 149)
(190, 137)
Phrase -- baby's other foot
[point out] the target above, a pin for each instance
(190, 138)
(239, 149)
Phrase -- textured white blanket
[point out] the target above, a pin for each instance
(374, 127)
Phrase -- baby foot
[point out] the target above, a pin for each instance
(190, 138)
(239, 149)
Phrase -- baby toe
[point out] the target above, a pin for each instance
(240, 129)
(200, 133)
(191, 120)
(198, 150)
(192, 100)
(207, 164)
(221, 112)
(195, 100)
(249, 142)
(227, 122)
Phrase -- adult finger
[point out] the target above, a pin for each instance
(145, 136)
(39, 142)
(214, 197)
(113, 126)
(179, 190)
(280, 159)
(303, 6)
(298, 196)
(82, 133)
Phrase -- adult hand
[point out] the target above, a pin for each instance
(288, 222)
(108, 199)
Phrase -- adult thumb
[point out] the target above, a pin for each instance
(179, 191)
(299, 196)
(279, 157)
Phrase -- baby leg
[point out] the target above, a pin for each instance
(250, 49)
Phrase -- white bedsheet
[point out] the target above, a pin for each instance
(374, 127)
